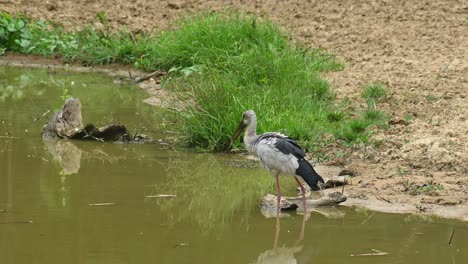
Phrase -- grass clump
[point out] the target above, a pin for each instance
(245, 63)
(357, 129)
(373, 93)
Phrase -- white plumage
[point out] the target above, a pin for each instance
(272, 159)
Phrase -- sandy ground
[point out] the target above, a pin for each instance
(419, 49)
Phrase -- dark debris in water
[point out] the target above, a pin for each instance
(109, 133)
(181, 245)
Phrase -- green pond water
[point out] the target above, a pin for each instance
(92, 202)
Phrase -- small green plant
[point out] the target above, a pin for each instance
(435, 122)
(65, 94)
(374, 115)
(373, 93)
(354, 130)
(431, 98)
(102, 17)
(415, 189)
(14, 33)
(358, 125)
(377, 143)
(63, 97)
(401, 171)
(187, 71)
(408, 118)
(335, 116)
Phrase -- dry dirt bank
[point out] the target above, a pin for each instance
(418, 48)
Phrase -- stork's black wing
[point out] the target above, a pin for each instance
(288, 146)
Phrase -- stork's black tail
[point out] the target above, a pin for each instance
(310, 176)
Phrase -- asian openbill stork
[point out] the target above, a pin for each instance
(278, 154)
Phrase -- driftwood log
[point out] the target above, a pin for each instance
(268, 203)
(67, 123)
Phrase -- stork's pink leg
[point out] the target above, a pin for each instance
(278, 195)
(277, 233)
(303, 195)
(278, 201)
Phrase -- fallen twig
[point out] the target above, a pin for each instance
(160, 196)
(16, 222)
(451, 237)
(89, 135)
(376, 253)
(155, 74)
(45, 113)
(101, 204)
(381, 198)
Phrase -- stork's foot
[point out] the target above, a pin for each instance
(320, 185)
(308, 191)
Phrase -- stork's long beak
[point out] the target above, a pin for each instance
(239, 129)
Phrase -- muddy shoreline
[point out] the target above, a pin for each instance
(362, 192)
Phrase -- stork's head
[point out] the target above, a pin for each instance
(247, 118)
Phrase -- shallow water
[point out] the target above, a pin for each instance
(91, 202)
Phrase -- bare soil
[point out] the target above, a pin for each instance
(419, 49)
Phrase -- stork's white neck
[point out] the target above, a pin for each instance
(250, 133)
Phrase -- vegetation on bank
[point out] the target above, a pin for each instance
(221, 64)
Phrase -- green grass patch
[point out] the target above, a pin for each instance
(373, 93)
(375, 116)
(220, 64)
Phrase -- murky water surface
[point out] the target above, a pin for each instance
(89, 202)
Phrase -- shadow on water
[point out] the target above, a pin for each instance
(93, 202)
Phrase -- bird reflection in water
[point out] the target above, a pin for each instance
(283, 254)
